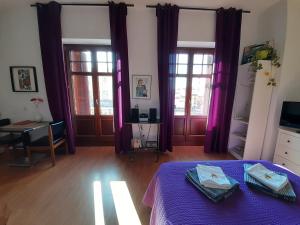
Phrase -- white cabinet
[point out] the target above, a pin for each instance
(250, 112)
(287, 151)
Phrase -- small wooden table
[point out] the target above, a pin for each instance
(23, 127)
(155, 149)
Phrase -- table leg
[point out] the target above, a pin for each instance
(157, 139)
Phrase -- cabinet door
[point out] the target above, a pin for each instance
(287, 164)
(260, 104)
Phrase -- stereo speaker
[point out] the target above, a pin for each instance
(152, 114)
(134, 117)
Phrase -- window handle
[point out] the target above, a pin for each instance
(97, 102)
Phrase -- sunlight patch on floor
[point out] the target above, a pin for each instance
(125, 209)
(98, 203)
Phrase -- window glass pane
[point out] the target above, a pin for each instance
(109, 56)
(200, 96)
(109, 67)
(180, 92)
(105, 95)
(86, 56)
(182, 58)
(102, 67)
(83, 95)
(101, 56)
(81, 56)
(207, 69)
(81, 67)
(75, 56)
(75, 67)
(197, 69)
(208, 59)
(86, 67)
(181, 69)
(198, 58)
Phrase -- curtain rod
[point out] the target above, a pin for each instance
(84, 4)
(195, 8)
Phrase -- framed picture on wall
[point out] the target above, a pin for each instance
(23, 79)
(141, 86)
(259, 51)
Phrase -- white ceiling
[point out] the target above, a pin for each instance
(253, 5)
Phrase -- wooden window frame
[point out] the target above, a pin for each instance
(94, 73)
(190, 75)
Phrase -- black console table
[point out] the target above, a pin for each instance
(152, 145)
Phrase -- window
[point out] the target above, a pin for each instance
(104, 67)
(83, 97)
(104, 61)
(194, 69)
(90, 69)
(106, 95)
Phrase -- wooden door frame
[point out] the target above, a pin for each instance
(98, 138)
(187, 117)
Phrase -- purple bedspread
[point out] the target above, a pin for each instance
(175, 201)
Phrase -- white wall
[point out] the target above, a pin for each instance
(19, 42)
(19, 45)
(280, 23)
(273, 27)
(290, 82)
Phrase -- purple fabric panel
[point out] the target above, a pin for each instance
(228, 32)
(167, 32)
(175, 201)
(56, 80)
(121, 87)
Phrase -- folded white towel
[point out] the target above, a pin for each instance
(212, 177)
(267, 177)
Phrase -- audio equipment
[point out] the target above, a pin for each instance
(143, 117)
(134, 115)
(152, 114)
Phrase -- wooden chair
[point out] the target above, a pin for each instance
(9, 139)
(56, 137)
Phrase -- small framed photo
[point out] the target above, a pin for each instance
(260, 51)
(23, 79)
(141, 86)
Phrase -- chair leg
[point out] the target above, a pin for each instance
(66, 147)
(12, 152)
(52, 152)
(28, 154)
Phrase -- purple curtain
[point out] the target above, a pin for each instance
(56, 81)
(121, 87)
(228, 33)
(167, 31)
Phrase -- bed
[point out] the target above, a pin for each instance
(174, 201)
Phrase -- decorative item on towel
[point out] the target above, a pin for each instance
(213, 194)
(287, 193)
(267, 177)
(212, 177)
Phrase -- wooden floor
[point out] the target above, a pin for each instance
(63, 195)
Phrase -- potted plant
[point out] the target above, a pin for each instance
(266, 52)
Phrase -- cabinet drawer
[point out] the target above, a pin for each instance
(289, 141)
(287, 164)
(288, 153)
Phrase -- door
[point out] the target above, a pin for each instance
(90, 73)
(194, 69)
